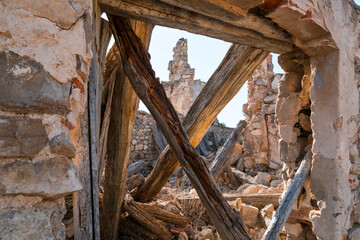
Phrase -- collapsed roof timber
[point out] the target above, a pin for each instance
(57, 139)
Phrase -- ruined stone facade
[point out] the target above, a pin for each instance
(45, 55)
(260, 136)
(181, 88)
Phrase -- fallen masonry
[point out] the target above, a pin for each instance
(79, 161)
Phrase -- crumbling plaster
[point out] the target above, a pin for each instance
(334, 105)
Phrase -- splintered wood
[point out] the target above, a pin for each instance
(136, 62)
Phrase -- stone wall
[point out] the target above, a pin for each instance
(182, 89)
(44, 59)
(260, 136)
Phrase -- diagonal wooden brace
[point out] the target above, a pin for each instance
(136, 62)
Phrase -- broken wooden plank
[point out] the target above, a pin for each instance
(233, 12)
(165, 216)
(224, 155)
(135, 167)
(134, 181)
(238, 65)
(86, 201)
(105, 128)
(159, 13)
(258, 200)
(130, 228)
(159, 138)
(145, 219)
(136, 62)
(123, 109)
(282, 213)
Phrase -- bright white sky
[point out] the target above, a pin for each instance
(204, 54)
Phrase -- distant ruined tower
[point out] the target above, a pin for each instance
(182, 89)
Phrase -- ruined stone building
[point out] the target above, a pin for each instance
(68, 108)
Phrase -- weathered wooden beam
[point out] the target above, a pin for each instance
(258, 200)
(160, 13)
(136, 62)
(159, 138)
(143, 30)
(146, 220)
(134, 181)
(105, 128)
(123, 109)
(131, 229)
(224, 155)
(282, 213)
(230, 12)
(165, 216)
(238, 65)
(136, 167)
(86, 201)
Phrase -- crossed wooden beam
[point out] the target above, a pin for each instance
(238, 65)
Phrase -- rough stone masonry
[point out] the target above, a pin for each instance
(43, 94)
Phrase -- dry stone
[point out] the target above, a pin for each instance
(49, 178)
(21, 136)
(62, 145)
(40, 222)
(249, 214)
(260, 136)
(62, 13)
(26, 87)
(182, 89)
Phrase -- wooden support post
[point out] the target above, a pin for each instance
(86, 201)
(123, 109)
(224, 155)
(238, 65)
(105, 128)
(284, 210)
(136, 62)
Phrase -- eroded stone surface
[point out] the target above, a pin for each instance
(21, 136)
(62, 145)
(47, 178)
(40, 222)
(182, 89)
(18, 201)
(26, 87)
(63, 13)
(45, 42)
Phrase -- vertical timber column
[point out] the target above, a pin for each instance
(334, 102)
(45, 57)
(123, 108)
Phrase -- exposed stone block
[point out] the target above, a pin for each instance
(49, 178)
(21, 136)
(62, 145)
(289, 152)
(62, 13)
(42, 221)
(249, 214)
(26, 87)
